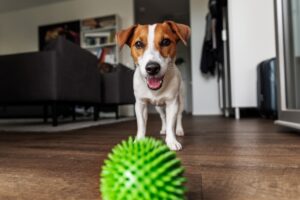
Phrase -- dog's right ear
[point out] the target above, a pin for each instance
(124, 36)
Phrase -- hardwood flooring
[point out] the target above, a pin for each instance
(250, 159)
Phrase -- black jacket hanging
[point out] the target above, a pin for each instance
(212, 51)
(207, 60)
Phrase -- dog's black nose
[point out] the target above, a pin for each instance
(152, 68)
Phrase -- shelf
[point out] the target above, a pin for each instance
(99, 29)
(97, 34)
(100, 46)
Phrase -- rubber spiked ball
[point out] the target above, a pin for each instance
(142, 170)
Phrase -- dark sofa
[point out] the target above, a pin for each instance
(117, 88)
(62, 74)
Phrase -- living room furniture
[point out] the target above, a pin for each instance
(117, 88)
(98, 36)
(288, 55)
(63, 74)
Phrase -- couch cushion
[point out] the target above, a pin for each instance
(27, 77)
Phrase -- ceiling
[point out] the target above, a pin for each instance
(12, 5)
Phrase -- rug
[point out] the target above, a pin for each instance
(37, 125)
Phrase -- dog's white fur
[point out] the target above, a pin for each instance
(170, 95)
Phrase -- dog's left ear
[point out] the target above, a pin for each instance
(182, 31)
(124, 36)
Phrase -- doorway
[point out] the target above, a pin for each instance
(150, 12)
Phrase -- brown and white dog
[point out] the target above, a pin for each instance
(157, 80)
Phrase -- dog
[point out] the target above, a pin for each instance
(157, 80)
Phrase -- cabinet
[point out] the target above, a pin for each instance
(98, 37)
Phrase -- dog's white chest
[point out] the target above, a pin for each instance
(155, 101)
(154, 98)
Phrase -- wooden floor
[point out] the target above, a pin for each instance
(247, 159)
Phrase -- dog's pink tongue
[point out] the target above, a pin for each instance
(154, 83)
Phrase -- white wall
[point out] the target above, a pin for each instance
(205, 89)
(19, 29)
(252, 40)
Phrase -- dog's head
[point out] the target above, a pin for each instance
(153, 48)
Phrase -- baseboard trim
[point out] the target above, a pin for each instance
(288, 124)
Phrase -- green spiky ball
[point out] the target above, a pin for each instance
(142, 170)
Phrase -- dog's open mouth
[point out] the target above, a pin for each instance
(154, 83)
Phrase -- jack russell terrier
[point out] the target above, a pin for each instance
(157, 80)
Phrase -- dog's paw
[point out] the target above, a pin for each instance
(139, 137)
(173, 144)
(179, 132)
(163, 132)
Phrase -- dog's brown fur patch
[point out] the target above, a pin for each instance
(163, 31)
(140, 34)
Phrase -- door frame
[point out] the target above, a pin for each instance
(286, 117)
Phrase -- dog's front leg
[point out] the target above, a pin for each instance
(171, 111)
(162, 114)
(141, 116)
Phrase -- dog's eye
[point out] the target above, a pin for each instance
(165, 42)
(139, 45)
